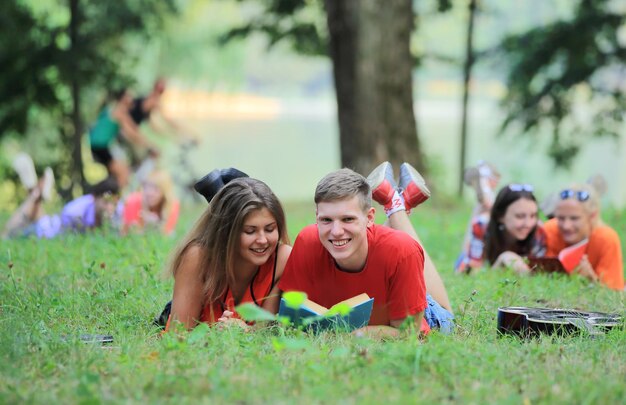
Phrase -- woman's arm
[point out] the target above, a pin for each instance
(272, 302)
(188, 289)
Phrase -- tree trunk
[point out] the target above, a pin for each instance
(467, 73)
(76, 173)
(372, 65)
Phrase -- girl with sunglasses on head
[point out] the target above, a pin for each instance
(510, 232)
(577, 217)
(234, 254)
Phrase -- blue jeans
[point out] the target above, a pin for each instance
(437, 316)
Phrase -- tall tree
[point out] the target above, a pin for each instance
(467, 73)
(556, 69)
(47, 64)
(368, 42)
(369, 47)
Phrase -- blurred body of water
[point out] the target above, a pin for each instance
(292, 149)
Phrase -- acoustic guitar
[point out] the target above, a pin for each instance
(529, 322)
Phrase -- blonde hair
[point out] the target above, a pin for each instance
(218, 230)
(163, 181)
(591, 205)
(343, 184)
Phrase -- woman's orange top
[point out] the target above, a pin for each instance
(259, 289)
(604, 252)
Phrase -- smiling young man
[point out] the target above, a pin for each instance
(345, 254)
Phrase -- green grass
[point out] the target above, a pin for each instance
(52, 291)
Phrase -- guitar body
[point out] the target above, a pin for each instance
(528, 322)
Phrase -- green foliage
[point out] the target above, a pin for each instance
(29, 55)
(252, 313)
(559, 70)
(54, 290)
(301, 22)
(294, 299)
(54, 52)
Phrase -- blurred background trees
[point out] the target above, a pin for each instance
(55, 51)
(556, 65)
(569, 75)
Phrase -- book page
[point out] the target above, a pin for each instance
(356, 300)
(315, 307)
(571, 255)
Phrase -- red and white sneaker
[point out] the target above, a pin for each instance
(382, 184)
(412, 186)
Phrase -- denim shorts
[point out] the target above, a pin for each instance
(437, 316)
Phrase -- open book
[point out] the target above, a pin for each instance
(566, 261)
(349, 314)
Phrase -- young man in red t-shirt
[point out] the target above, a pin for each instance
(345, 254)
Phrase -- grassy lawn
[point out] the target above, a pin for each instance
(53, 291)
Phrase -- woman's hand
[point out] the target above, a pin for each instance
(585, 269)
(514, 261)
(150, 218)
(227, 320)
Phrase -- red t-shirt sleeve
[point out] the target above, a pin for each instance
(407, 289)
(296, 273)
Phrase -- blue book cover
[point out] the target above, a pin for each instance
(359, 315)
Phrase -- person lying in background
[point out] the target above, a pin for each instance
(345, 254)
(235, 253)
(155, 206)
(512, 232)
(577, 217)
(84, 213)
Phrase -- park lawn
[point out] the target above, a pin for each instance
(53, 291)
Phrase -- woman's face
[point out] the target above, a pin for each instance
(520, 218)
(153, 196)
(259, 237)
(573, 221)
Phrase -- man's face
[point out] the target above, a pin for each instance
(573, 221)
(342, 227)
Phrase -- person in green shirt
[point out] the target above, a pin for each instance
(114, 119)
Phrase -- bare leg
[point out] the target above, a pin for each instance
(434, 284)
(26, 214)
(120, 171)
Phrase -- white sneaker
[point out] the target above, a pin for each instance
(25, 169)
(47, 184)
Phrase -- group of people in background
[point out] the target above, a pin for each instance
(150, 204)
(506, 230)
(239, 251)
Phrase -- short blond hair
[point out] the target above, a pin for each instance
(591, 205)
(343, 184)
